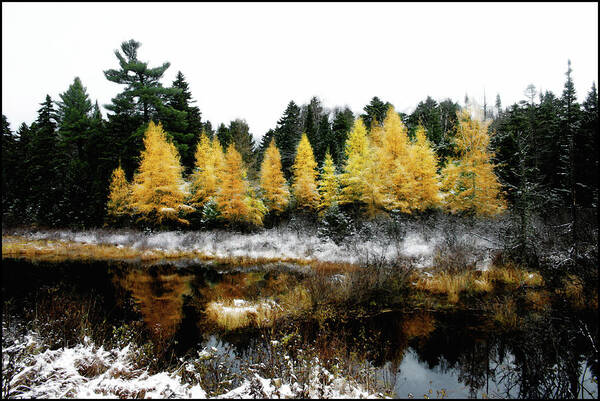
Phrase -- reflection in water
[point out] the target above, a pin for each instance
(159, 296)
(464, 354)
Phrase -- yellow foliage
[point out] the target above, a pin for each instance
(361, 181)
(329, 186)
(235, 197)
(275, 190)
(205, 178)
(469, 183)
(158, 187)
(393, 163)
(305, 173)
(118, 198)
(423, 167)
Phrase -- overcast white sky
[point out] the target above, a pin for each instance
(248, 60)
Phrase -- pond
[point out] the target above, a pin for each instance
(414, 353)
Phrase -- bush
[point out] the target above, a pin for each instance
(335, 224)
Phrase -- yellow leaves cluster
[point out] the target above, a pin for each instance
(119, 191)
(158, 190)
(275, 189)
(384, 170)
(235, 198)
(469, 183)
(305, 173)
(329, 184)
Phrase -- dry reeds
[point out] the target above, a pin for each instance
(445, 283)
(573, 290)
(238, 313)
(512, 275)
(505, 313)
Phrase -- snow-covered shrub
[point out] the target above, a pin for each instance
(335, 224)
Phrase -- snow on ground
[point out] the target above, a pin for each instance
(88, 371)
(284, 243)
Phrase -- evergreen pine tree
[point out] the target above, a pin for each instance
(586, 147)
(244, 144)
(44, 192)
(343, 120)
(287, 136)
(185, 131)
(375, 110)
(75, 131)
(143, 99)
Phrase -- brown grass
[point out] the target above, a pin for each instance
(229, 316)
(512, 275)
(539, 300)
(59, 250)
(505, 313)
(573, 290)
(296, 301)
(445, 283)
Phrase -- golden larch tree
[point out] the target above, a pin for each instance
(205, 177)
(235, 198)
(329, 185)
(305, 174)
(423, 169)
(361, 181)
(158, 190)
(119, 192)
(272, 182)
(469, 183)
(393, 163)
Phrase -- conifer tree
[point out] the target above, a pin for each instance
(287, 135)
(375, 110)
(9, 164)
(119, 194)
(392, 164)
(158, 189)
(235, 198)
(75, 151)
(143, 99)
(272, 182)
(343, 120)
(423, 169)
(305, 173)
(329, 185)
(184, 128)
(42, 175)
(244, 144)
(206, 173)
(469, 183)
(361, 183)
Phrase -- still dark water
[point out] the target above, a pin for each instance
(464, 354)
